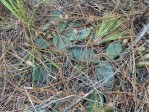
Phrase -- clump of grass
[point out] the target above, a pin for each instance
(18, 10)
(109, 29)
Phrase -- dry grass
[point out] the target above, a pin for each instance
(73, 81)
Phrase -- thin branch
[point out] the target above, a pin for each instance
(144, 31)
(30, 100)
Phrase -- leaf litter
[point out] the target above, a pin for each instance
(74, 59)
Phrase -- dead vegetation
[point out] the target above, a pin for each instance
(29, 47)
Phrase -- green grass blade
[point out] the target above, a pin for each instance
(109, 26)
(101, 28)
(13, 5)
(22, 11)
(116, 35)
(31, 19)
(10, 8)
